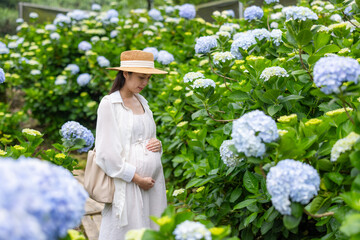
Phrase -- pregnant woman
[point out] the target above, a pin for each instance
(128, 151)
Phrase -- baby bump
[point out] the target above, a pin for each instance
(148, 163)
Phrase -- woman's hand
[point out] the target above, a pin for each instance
(154, 145)
(144, 183)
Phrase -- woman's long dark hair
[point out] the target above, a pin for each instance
(119, 82)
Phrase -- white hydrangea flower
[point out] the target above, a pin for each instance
(273, 71)
(178, 192)
(203, 83)
(222, 57)
(148, 33)
(223, 34)
(60, 80)
(336, 18)
(190, 230)
(191, 76)
(343, 145)
(230, 158)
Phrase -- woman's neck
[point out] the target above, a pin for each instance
(126, 94)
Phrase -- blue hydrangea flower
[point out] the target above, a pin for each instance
(73, 68)
(50, 27)
(114, 33)
(230, 158)
(62, 19)
(164, 57)
(2, 76)
(2, 45)
(271, 1)
(84, 46)
(299, 13)
(83, 79)
(253, 13)
(229, 13)
(78, 15)
(242, 40)
(348, 10)
(4, 50)
(152, 50)
(251, 131)
(72, 130)
(291, 180)
(169, 9)
(111, 13)
(114, 20)
(39, 200)
(191, 230)
(331, 72)
(205, 44)
(95, 7)
(155, 14)
(187, 11)
(22, 225)
(276, 35)
(102, 61)
(260, 33)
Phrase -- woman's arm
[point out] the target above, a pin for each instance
(109, 152)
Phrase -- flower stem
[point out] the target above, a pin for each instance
(319, 215)
(216, 120)
(348, 19)
(212, 69)
(303, 65)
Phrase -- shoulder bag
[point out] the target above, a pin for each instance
(100, 186)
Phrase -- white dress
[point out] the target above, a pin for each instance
(140, 204)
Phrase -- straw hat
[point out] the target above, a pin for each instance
(137, 61)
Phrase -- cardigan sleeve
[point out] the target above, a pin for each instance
(109, 152)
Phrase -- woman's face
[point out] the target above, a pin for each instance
(136, 82)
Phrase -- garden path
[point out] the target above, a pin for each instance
(92, 218)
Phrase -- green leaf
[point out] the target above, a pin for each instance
(296, 209)
(153, 235)
(354, 158)
(238, 96)
(351, 224)
(244, 203)
(250, 182)
(336, 177)
(250, 219)
(304, 37)
(324, 164)
(235, 194)
(321, 39)
(291, 97)
(327, 49)
(59, 147)
(193, 182)
(352, 199)
(200, 113)
(291, 222)
(316, 204)
(355, 186)
(265, 227)
(273, 109)
(183, 216)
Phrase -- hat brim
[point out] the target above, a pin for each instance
(138, 70)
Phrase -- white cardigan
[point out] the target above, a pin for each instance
(112, 143)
